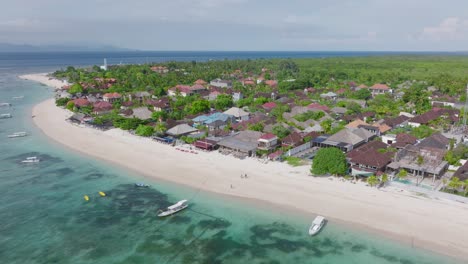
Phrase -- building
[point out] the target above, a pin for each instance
(269, 106)
(346, 139)
(111, 97)
(238, 113)
(140, 96)
(236, 96)
(402, 140)
(142, 113)
(181, 130)
(267, 142)
(183, 90)
(452, 115)
(369, 159)
(379, 88)
(221, 83)
(329, 95)
(160, 69)
(242, 144)
(215, 117)
(292, 140)
(102, 107)
(80, 102)
(163, 104)
(398, 121)
(462, 172)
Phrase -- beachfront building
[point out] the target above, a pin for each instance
(238, 113)
(346, 139)
(369, 159)
(181, 130)
(292, 140)
(221, 83)
(267, 142)
(102, 107)
(214, 121)
(205, 144)
(426, 158)
(142, 113)
(241, 145)
(111, 97)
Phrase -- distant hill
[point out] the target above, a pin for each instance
(8, 47)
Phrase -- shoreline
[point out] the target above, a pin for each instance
(269, 183)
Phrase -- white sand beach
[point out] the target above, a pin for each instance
(438, 225)
(44, 79)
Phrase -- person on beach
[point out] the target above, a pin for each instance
(231, 186)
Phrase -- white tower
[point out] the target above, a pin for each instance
(104, 67)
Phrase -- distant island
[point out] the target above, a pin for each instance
(9, 47)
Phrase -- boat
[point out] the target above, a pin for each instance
(140, 184)
(5, 104)
(317, 225)
(86, 197)
(180, 205)
(18, 97)
(4, 116)
(102, 194)
(18, 134)
(31, 160)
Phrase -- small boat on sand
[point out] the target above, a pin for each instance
(179, 206)
(18, 134)
(5, 116)
(140, 184)
(317, 225)
(31, 160)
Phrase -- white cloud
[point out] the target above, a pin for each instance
(451, 28)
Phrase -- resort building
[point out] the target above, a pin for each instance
(267, 142)
(102, 107)
(369, 159)
(346, 139)
(242, 144)
(181, 130)
(142, 113)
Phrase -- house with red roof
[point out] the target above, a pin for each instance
(80, 102)
(102, 107)
(292, 140)
(452, 115)
(369, 159)
(183, 90)
(269, 106)
(267, 142)
(271, 83)
(111, 97)
(379, 88)
(318, 107)
(200, 82)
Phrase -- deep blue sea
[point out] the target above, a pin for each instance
(44, 219)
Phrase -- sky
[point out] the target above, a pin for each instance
(270, 25)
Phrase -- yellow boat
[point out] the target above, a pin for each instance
(86, 197)
(102, 194)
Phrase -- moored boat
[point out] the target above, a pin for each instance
(317, 225)
(31, 160)
(140, 184)
(18, 97)
(18, 134)
(4, 116)
(5, 104)
(179, 206)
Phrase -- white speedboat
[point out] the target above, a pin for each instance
(179, 206)
(140, 184)
(31, 160)
(18, 134)
(4, 116)
(317, 225)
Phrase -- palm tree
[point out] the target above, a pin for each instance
(455, 183)
(372, 180)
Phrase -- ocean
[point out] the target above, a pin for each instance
(44, 218)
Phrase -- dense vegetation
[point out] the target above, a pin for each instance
(329, 161)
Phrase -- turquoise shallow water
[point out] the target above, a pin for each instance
(44, 218)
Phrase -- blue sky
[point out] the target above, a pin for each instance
(393, 25)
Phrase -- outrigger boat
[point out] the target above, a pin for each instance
(5, 116)
(317, 225)
(18, 134)
(31, 160)
(179, 206)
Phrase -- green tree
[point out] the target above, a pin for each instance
(422, 131)
(280, 131)
(256, 127)
(62, 101)
(159, 115)
(329, 160)
(455, 184)
(372, 180)
(160, 128)
(71, 106)
(402, 174)
(223, 101)
(362, 94)
(76, 88)
(326, 125)
(199, 106)
(384, 178)
(144, 131)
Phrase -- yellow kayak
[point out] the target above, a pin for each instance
(86, 197)
(102, 194)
